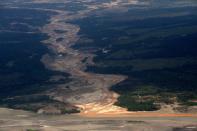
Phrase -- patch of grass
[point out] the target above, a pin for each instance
(167, 98)
(136, 104)
(70, 111)
(32, 130)
(190, 103)
(187, 97)
(145, 90)
(148, 64)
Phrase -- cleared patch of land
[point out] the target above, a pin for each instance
(26, 121)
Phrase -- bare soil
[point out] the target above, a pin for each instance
(16, 120)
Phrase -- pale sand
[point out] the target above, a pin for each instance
(15, 120)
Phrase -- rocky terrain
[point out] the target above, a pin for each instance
(88, 91)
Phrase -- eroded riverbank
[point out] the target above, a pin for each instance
(88, 91)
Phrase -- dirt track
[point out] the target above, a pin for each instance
(15, 120)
